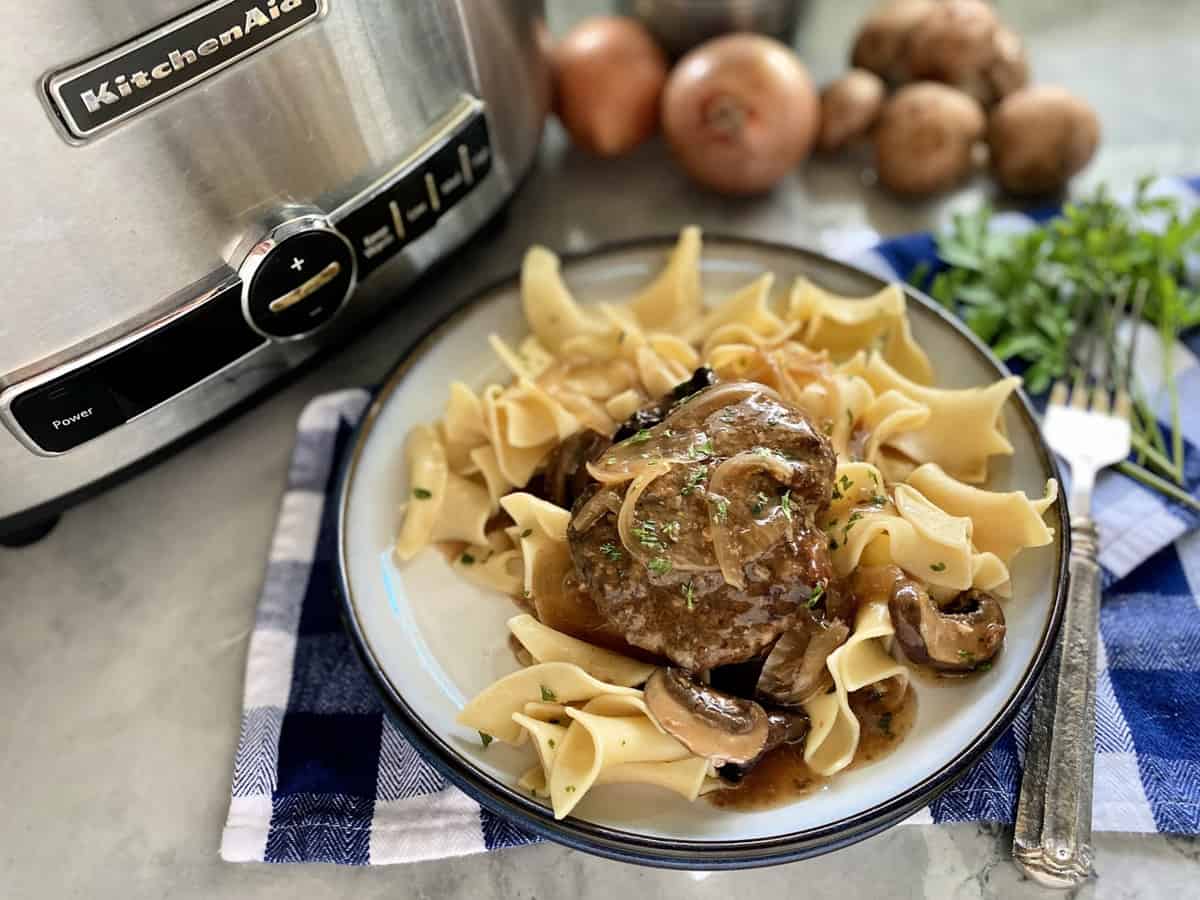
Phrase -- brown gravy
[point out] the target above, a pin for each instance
(882, 729)
(783, 777)
(780, 778)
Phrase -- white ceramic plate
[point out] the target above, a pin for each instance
(432, 640)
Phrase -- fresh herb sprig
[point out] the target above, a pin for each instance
(1029, 294)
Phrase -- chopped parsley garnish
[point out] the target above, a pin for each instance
(759, 504)
(421, 494)
(485, 738)
(551, 743)
(854, 517)
(670, 530)
(938, 567)
(641, 437)
(828, 427)
(874, 479)
(467, 559)
(647, 533)
(837, 495)
(689, 594)
(815, 597)
(850, 418)
(845, 483)
(704, 448)
(785, 504)
(526, 593)
(879, 500)
(721, 506)
(833, 545)
(967, 656)
(547, 694)
(570, 788)
(527, 532)
(611, 550)
(984, 666)
(660, 565)
(695, 477)
(885, 723)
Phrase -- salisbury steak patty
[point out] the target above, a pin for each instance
(664, 587)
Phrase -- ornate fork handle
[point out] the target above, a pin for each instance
(1052, 841)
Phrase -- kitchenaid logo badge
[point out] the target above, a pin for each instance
(105, 90)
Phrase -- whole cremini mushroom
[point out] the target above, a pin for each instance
(708, 722)
(849, 107)
(957, 637)
(882, 42)
(1039, 137)
(953, 41)
(925, 138)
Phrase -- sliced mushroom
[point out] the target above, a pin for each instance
(795, 669)
(958, 637)
(653, 413)
(708, 722)
(566, 474)
(783, 727)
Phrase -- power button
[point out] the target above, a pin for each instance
(297, 278)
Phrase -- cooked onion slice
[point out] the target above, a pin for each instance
(625, 518)
(742, 532)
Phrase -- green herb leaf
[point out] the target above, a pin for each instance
(647, 534)
(485, 739)
(527, 532)
(694, 479)
(640, 438)
(721, 508)
(704, 448)
(670, 530)
(785, 504)
(547, 694)
(660, 565)
(689, 595)
(467, 559)
(938, 567)
(611, 551)
(421, 494)
(815, 597)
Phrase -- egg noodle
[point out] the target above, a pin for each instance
(910, 459)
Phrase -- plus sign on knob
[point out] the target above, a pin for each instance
(297, 278)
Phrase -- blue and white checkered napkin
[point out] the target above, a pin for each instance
(322, 775)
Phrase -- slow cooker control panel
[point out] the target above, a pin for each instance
(291, 283)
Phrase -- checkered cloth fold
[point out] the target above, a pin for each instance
(322, 775)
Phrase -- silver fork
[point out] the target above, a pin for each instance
(1090, 430)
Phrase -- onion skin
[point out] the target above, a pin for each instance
(609, 76)
(1039, 137)
(925, 139)
(740, 112)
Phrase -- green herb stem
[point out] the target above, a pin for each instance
(1148, 478)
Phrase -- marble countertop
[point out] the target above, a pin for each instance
(123, 633)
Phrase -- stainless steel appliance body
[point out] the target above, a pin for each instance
(199, 196)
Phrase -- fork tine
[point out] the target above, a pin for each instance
(1059, 394)
(1122, 406)
(1100, 401)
